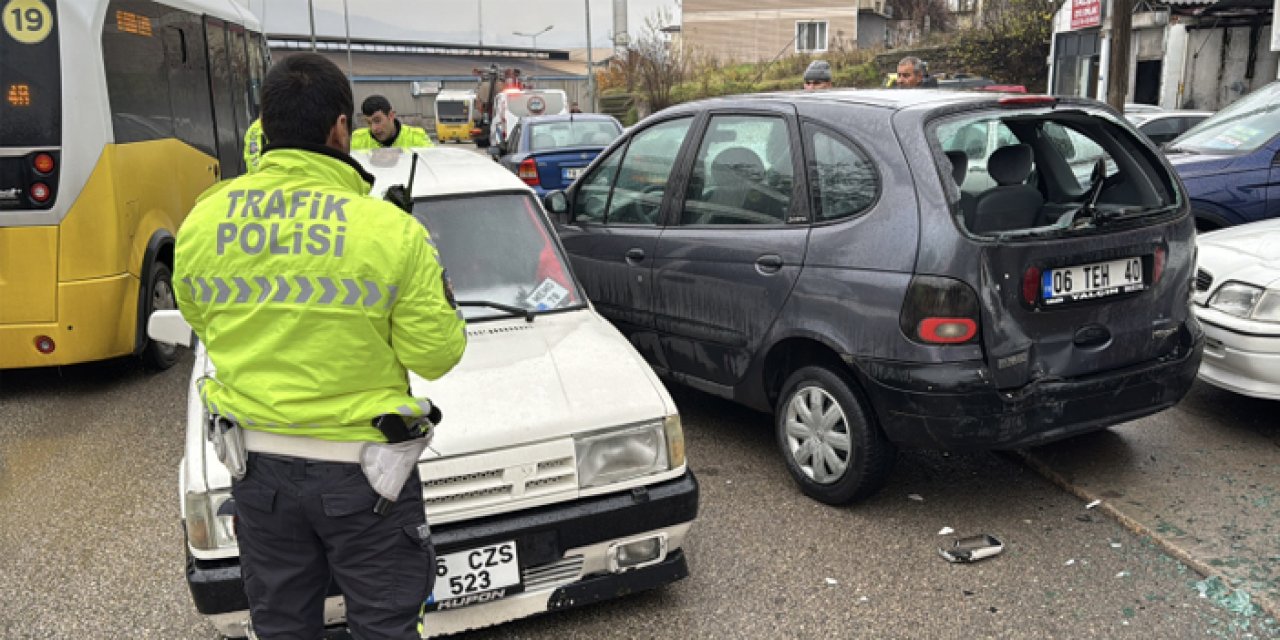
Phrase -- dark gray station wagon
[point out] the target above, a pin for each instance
(895, 268)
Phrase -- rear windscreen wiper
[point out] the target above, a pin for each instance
(511, 309)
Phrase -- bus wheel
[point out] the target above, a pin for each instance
(158, 356)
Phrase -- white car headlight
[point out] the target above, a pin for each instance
(1236, 298)
(629, 452)
(1268, 309)
(206, 529)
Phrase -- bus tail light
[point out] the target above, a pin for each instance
(528, 172)
(39, 192)
(44, 344)
(43, 163)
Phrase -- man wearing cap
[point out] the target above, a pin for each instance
(817, 76)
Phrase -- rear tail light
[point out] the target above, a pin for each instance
(940, 310)
(1157, 265)
(44, 344)
(1031, 285)
(39, 192)
(528, 172)
(476, 132)
(43, 163)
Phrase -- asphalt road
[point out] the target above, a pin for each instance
(90, 545)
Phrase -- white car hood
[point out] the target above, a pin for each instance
(1246, 253)
(521, 382)
(518, 382)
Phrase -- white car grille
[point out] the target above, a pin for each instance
(498, 481)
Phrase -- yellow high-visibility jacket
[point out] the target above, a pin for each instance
(254, 141)
(313, 298)
(406, 137)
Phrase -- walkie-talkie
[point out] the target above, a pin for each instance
(402, 195)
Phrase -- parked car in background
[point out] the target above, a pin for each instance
(1238, 302)
(1135, 108)
(549, 152)
(1161, 127)
(1230, 163)
(812, 255)
(560, 459)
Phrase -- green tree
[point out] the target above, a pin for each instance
(1011, 43)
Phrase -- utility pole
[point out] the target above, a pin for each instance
(480, 23)
(311, 11)
(1121, 36)
(591, 72)
(351, 70)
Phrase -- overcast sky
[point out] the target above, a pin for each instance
(457, 21)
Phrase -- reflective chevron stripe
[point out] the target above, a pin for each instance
(320, 290)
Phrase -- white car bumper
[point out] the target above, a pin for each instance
(1240, 355)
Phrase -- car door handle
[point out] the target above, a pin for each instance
(769, 263)
(635, 254)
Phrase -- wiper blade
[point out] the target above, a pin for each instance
(511, 309)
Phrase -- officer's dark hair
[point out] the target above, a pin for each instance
(302, 96)
(374, 104)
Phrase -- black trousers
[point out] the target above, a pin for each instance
(301, 522)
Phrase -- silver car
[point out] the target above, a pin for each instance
(1237, 299)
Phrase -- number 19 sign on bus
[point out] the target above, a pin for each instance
(114, 116)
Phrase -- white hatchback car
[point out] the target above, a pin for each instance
(1237, 299)
(560, 449)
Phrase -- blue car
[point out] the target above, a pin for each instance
(549, 152)
(1230, 163)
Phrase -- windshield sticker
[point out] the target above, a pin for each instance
(548, 295)
(1238, 136)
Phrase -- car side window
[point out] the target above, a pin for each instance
(592, 199)
(742, 174)
(646, 169)
(841, 177)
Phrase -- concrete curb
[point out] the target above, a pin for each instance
(1206, 570)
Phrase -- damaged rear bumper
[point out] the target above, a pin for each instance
(918, 409)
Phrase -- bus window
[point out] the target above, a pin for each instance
(30, 80)
(137, 87)
(224, 102)
(237, 45)
(189, 81)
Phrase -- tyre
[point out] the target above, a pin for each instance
(158, 294)
(832, 446)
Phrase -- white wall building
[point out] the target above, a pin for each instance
(1185, 54)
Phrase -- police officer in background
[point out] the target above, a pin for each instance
(254, 142)
(313, 300)
(385, 129)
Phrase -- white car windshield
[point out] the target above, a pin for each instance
(1245, 125)
(498, 249)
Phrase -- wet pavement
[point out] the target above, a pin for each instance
(1203, 478)
(90, 544)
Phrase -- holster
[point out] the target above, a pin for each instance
(228, 444)
(388, 465)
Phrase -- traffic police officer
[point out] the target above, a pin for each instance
(385, 129)
(254, 141)
(312, 300)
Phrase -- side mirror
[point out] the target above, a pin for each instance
(169, 326)
(558, 204)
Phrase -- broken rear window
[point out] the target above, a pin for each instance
(1047, 172)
